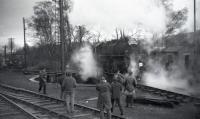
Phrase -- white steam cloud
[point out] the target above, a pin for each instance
(157, 76)
(173, 80)
(133, 66)
(85, 60)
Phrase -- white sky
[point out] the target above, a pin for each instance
(107, 15)
(11, 14)
(98, 15)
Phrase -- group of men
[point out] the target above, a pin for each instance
(110, 94)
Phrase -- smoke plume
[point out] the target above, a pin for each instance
(132, 66)
(85, 60)
(173, 80)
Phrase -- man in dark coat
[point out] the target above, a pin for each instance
(42, 81)
(130, 85)
(104, 100)
(116, 88)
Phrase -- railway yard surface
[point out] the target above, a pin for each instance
(148, 105)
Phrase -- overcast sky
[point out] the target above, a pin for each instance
(98, 15)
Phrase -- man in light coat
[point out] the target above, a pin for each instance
(68, 91)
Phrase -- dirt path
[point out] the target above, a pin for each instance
(139, 111)
(20, 80)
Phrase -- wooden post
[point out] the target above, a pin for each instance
(62, 37)
(24, 27)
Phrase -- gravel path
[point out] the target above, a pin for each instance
(139, 111)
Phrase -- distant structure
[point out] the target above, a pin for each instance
(180, 51)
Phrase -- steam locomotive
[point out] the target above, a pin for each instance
(115, 55)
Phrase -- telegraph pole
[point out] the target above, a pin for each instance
(194, 16)
(62, 37)
(195, 39)
(196, 49)
(11, 45)
(24, 27)
(5, 56)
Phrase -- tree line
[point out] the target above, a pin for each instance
(43, 26)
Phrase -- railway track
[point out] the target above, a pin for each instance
(168, 96)
(173, 96)
(46, 107)
(11, 110)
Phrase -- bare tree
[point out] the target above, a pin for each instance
(44, 22)
(176, 18)
(176, 21)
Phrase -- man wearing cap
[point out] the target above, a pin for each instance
(42, 82)
(68, 90)
(116, 88)
(130, 85)
(104, 100)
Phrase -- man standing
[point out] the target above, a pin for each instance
(130, 85)
(42, 82)
(116, 88)
(104, 100)
(68, 90)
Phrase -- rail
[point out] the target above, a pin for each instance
(30, 96)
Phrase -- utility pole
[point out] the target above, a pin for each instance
(24, 27)
(194, 16)
(195, 39)
(68, 35)
(11, 45)
(196, 49)
(62, 37)
(5, 54)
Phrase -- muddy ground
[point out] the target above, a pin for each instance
(139, 111)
